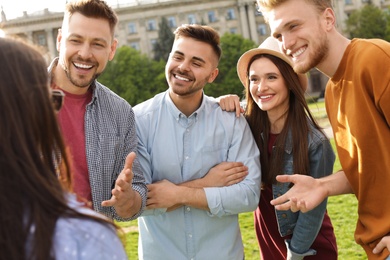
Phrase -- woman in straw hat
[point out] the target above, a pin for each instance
(290, 141)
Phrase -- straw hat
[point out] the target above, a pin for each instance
(269, 46)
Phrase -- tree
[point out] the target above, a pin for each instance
(367, 22)
(163, 46)
(134, 76)
(227, 82)
(387, 15)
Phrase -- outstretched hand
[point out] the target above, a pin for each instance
(230, 103)
(123, 195)
(305, 195)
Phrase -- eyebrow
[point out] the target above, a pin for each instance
(274, 34)
(194, 57)
(78, 36)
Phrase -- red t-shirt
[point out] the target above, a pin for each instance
(71, 119)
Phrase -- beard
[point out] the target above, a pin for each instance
(78, 81)
(321, 49)
(81, 82)
(184, 90)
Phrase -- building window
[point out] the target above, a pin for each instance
(212, 17)
(230, 14)
(135, 45)
(152, 25)
(41, 39)
(191, 19)
(262, 29)
(131, 28)
(172, 22)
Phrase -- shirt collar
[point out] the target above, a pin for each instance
(177, 113)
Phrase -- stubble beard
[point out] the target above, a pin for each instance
(80, 83)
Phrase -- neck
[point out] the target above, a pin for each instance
(337, 46)
(187, 104)
(277, 123)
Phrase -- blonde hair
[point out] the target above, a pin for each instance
(265, 6)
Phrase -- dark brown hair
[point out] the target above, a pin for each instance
(201, 33)
(93, 9)
(31, 152)
(296, 123)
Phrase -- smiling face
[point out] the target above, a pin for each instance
(268, 88)
(85, 46)
(191, 65)
(301, 32)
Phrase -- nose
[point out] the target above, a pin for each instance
(184, 66)
(286, 43)
(262, 86)
(85, 51)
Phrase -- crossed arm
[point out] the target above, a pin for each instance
(165, 194)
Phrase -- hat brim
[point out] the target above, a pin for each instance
(243, 63)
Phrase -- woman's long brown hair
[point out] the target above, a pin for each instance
(31, 149)
(296, 122)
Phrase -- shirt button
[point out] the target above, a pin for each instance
(190, 235)
(284, 215)
(187, 157)
(188, 209)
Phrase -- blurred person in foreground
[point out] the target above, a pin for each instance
(97, 124)
(357, 99)
(41, 219)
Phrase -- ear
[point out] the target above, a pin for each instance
(113, 49)
(59, 37)
(213, 75)
(329, 19)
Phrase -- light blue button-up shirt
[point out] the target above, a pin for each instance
(179, 148)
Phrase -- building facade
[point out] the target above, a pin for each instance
(139, 23)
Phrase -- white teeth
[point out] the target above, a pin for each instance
(265, 97)
(82, 66)
(181, 78)
(298, 52)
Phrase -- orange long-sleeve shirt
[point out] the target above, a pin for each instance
(358, 106)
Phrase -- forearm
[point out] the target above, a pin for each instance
(196, 184)
(336, 184)
(194, 197)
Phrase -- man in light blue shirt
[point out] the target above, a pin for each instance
(193, 156)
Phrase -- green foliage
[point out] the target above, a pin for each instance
(227, 82)
(134, 76)
(164, 42)
(387, 15)
(367, 22)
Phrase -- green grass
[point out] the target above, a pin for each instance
(341, 209)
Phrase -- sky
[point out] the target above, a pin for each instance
(15, 8)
